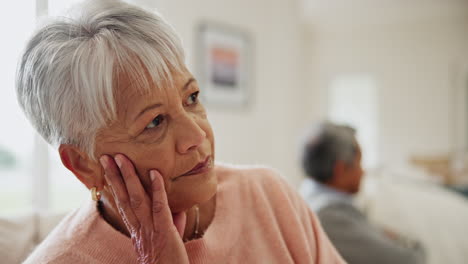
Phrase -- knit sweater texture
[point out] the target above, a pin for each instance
(259, 218)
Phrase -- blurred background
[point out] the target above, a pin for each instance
(395, 70)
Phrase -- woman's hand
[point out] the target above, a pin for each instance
(155, 233)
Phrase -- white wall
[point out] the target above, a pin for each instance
(414, 66)
(414, 63)
(266, 132)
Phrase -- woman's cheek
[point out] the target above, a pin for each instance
(146, 161)
(206, 126)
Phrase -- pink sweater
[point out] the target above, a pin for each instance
(259, 218)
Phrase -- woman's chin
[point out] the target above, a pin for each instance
(192, 190)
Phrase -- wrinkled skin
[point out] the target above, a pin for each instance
(162, 132)
(155, 233)
(168, 148)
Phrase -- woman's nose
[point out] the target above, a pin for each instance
(189, 135)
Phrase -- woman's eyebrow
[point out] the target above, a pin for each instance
(150, 107)
(187, 84)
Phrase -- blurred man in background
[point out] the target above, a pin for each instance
(331, 159)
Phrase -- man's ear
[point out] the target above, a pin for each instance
(88, 171)
(339, 168)
(338, 173)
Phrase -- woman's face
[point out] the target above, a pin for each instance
(166, 129)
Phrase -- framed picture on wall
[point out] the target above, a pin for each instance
(224, 65)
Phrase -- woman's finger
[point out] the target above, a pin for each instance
(117, 186)
(139, 201)
(180, 220)
(162, 217)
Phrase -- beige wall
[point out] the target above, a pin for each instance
(264, 133)
(415, 67)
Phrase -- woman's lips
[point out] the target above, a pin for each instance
(201, 167)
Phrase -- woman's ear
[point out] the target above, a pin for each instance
(88, 171)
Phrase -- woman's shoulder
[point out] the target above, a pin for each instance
(248, 174)
(53, 257)
(255, 180)
(84, 237)
(55, 248)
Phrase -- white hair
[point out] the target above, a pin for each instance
(66, 77)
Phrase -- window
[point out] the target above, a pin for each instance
(56, 7)
(31, 174)
(16, 134)
(353, 101)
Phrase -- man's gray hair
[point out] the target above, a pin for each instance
(68, 73)
(324, 146)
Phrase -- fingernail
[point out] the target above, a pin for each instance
(152, 175)
(118, 160)
(103, 161)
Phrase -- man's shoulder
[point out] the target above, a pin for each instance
(358, 241)
(340, 208)
(341, 214)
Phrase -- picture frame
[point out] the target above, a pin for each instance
(224, 65)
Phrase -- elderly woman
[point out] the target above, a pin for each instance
(109, 87)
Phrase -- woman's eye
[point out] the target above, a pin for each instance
(192, 99)
(156, 122)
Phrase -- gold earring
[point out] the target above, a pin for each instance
(95, 194)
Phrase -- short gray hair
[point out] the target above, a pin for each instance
(67, 74)
(324, 146)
